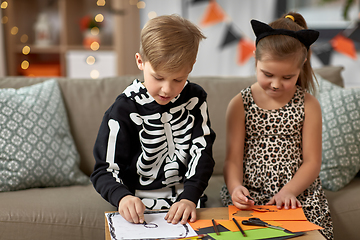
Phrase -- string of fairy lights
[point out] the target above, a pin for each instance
(95, 31)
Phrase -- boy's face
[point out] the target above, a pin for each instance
(162, 86)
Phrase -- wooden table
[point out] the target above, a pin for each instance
(222, 213)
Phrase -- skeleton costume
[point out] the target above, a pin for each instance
(160, 153)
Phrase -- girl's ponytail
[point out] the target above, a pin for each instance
(298, 18)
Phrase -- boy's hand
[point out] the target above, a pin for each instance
(239, 198)
(181, 210)
(284, 198)
(132, 209)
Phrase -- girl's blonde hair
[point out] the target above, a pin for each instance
(279, 47)
(170, 43)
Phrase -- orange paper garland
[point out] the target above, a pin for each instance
(213, 14)
(344, 45)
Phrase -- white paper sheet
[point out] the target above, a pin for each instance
(157, 228)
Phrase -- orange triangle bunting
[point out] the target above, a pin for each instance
(213, 14)
(344, 45)
(246, 50)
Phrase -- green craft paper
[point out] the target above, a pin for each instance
(262, 233)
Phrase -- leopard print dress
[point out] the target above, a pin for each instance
(273, 154)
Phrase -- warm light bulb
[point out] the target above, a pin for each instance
(101, 3)
(99, 17)
(90, 60)
(95, 31)
(141, 4)
(26, 50)
(94, 74)
(4, 4)
(4, 19)
(152, 15)
(14, 30)
(24, 38)
(25, 64)
(94, 46)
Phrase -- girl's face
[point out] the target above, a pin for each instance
(162, 86)
(277, 77)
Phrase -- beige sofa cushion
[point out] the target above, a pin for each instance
(96, 96)
(71, 213)
(220, 91)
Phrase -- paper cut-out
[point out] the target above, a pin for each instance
(273, 213)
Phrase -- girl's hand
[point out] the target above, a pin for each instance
(181, 210)
(284, 198)
(239, 198)
(132, 209)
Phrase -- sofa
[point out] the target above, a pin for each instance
(74, 210)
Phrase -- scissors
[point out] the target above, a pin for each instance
(259, 222)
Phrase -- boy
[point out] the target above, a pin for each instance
(154, 146)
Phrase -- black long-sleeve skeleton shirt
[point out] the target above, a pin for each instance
(142, 145)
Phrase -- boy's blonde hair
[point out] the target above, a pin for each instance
(283, 47)
(170, 43)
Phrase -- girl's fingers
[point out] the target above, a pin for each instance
(271, 202)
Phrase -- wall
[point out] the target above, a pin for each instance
(211, 59)
(329, 17)
(215, 61)
(351, 73)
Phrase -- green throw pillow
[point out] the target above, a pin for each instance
(36, 147)
(341, 135)
(325, 85)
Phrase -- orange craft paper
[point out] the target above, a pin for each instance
(201, 224)
(213, 14)
(274, 214)
(298, 226)
(293, 219)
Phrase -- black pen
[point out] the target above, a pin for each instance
(250, 198)
(215, 227)
(239, 227)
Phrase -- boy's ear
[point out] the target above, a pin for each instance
(139, 61)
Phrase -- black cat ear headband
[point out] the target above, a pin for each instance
(305, 36)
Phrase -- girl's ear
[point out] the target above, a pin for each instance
(139, 61)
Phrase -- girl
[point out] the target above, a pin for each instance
(274, 127)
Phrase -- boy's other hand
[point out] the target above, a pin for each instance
(132, 209)
(239, 198)
(181, 210)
